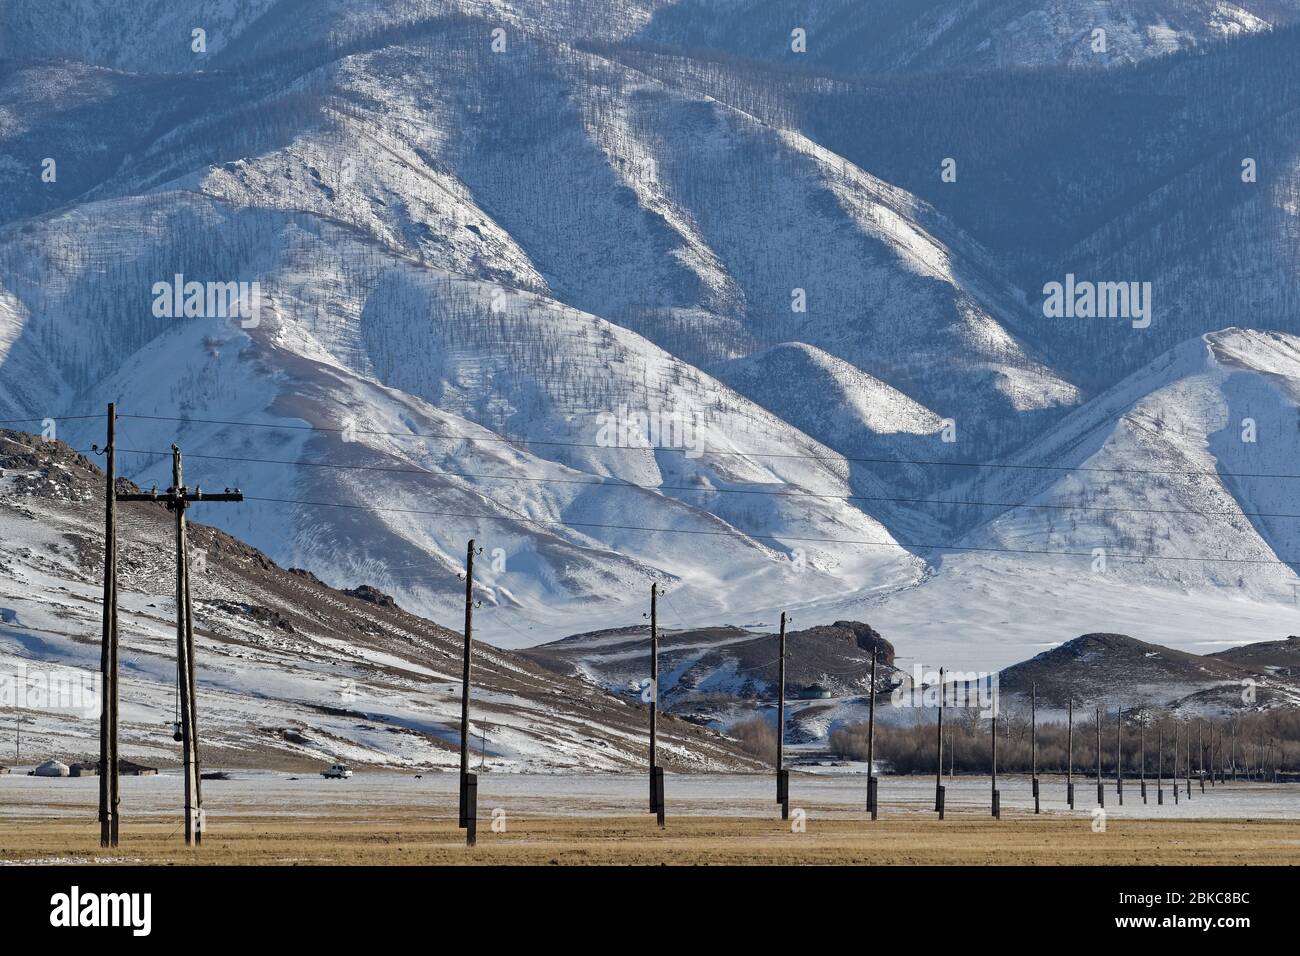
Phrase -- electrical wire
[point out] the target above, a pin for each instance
(739, 454)
(726, 491)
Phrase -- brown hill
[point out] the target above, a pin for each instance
(291, 671)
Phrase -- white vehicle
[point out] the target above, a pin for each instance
(337, 771)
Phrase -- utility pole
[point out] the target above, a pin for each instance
(1160, 767)
(939, 751)
(1069, 747)
(468, 817)
(993, 766)
(872, 786)
(1101, 792)
(656, 771)
(782, 777)
(1142, 763)
(1209, 752)
(185, 634)
(1216, 748)
(1187, 768)
(1211, 748)
(1232, 727)
(1223, 770)
(1033, 740)
(1223, 759)
(178, 498)
(1200, 753)
(1119, 755)
(108, 763)
(1173, 773)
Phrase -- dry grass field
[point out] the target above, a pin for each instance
(910, 838)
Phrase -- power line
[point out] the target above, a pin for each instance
(739, 454)
(1135, 556)
(903, 545)
(59, 418)
(691, 489)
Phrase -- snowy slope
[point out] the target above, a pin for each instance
(842, 35)
(1172, 462)
(155, 35)
(334, 245)
(471, 259)
(893, 35)
(655, 232)
(517, 365)
(290, 672)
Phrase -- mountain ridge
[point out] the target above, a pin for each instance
(474, 252)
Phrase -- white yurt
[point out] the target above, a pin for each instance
(51, 768)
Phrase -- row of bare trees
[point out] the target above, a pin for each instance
(1252, 746)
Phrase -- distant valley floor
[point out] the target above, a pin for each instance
(387, 818)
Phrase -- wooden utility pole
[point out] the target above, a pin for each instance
(1101, 790)
(1142, 761)
(1200, 753)
(656, 771)
(185, 637)
(1207, 755)
(468, 817)
(1173, 773)
(782, 777)
(1119, 755)
(872, 786)
(1232, 727)
(1033, 741)
(108, 762)
(1160, 766)
(1069, 747)
(178, 498)
(1187, 767)
(938, 764)
(1216, 748)
(1210, 746)
(994, 796)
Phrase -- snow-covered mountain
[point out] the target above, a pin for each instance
(291, 672)
(839, 35)
(627, 292)
(911, 35)
(1189, 457)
